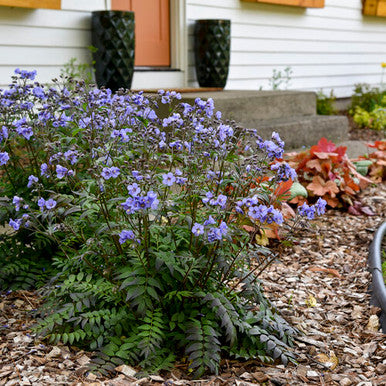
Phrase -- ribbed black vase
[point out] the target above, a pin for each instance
(114, 37)
(212, 42)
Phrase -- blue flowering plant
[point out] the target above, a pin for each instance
(146, 212)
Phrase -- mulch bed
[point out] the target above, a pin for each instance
(357, 133)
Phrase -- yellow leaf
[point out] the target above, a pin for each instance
(330, 361)
(311, 301)
(262, 239)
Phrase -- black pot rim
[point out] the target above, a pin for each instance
(213, 21)
(378, 288)
(116, 12)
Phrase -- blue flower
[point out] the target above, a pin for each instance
(320, 206)
(197, 229)
(32, 180)
(221, 200)
(284, 172)
(17, 201)
(41, 203)
(126, 235)
(4, 158)
(134, 189)
(61, 172)
(44, 170)
(209, 221)
(214, 234)
(39, 92)
(137, 175)
(26, 132)
(307, 211)
(112, 172)
(72, 156)
(223, 228)
(15, 224)
(50, 204)
(208, 197)
(24, 74)
(168, 179)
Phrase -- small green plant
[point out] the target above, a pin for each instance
(325, 103)
(375, 119)
(367, 98)
(79, 71)
(280, 78)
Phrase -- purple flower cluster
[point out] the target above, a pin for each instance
(167, 96)
(17, 201)
(71, 156)
(168, 179)
(283, 172)
(49, 204)
(173, 119)
(309, 211)
(32, 180)
(62, 172)
(126, 235)
(15, 224)
(4, 158)
(112, 172)
(135, 203)
(221, 200)
(22, 128)
(24, 74)
(44, 170)
(274, 148)
(266, 214)
(213, 233)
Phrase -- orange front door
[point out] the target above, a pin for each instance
(152, 30)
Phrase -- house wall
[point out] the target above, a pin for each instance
(331, 48)
(45, 39)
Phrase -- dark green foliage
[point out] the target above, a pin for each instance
(325, 103)
(25, 260)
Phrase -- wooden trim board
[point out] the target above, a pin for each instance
(51, 4)
(374, 7)
(292, 3)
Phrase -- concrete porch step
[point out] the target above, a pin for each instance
(305, 130)
(245, 106)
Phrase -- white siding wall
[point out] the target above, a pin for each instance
(45, 39)
(331, 48)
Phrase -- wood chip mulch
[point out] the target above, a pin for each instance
(320, 286)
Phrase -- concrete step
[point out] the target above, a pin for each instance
(250, 106)
(305, 131)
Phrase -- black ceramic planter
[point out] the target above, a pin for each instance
(378, 288)
(114, 37)
(212, 42)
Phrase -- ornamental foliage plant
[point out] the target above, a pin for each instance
(368, 107)
(326, 172)
(144, 218)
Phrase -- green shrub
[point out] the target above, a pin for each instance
(146, 213)
(367, 98)
(375, 119)
(325, 103)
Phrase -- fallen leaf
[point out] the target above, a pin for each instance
(330, 271)
(373, 324)
(311, 301)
